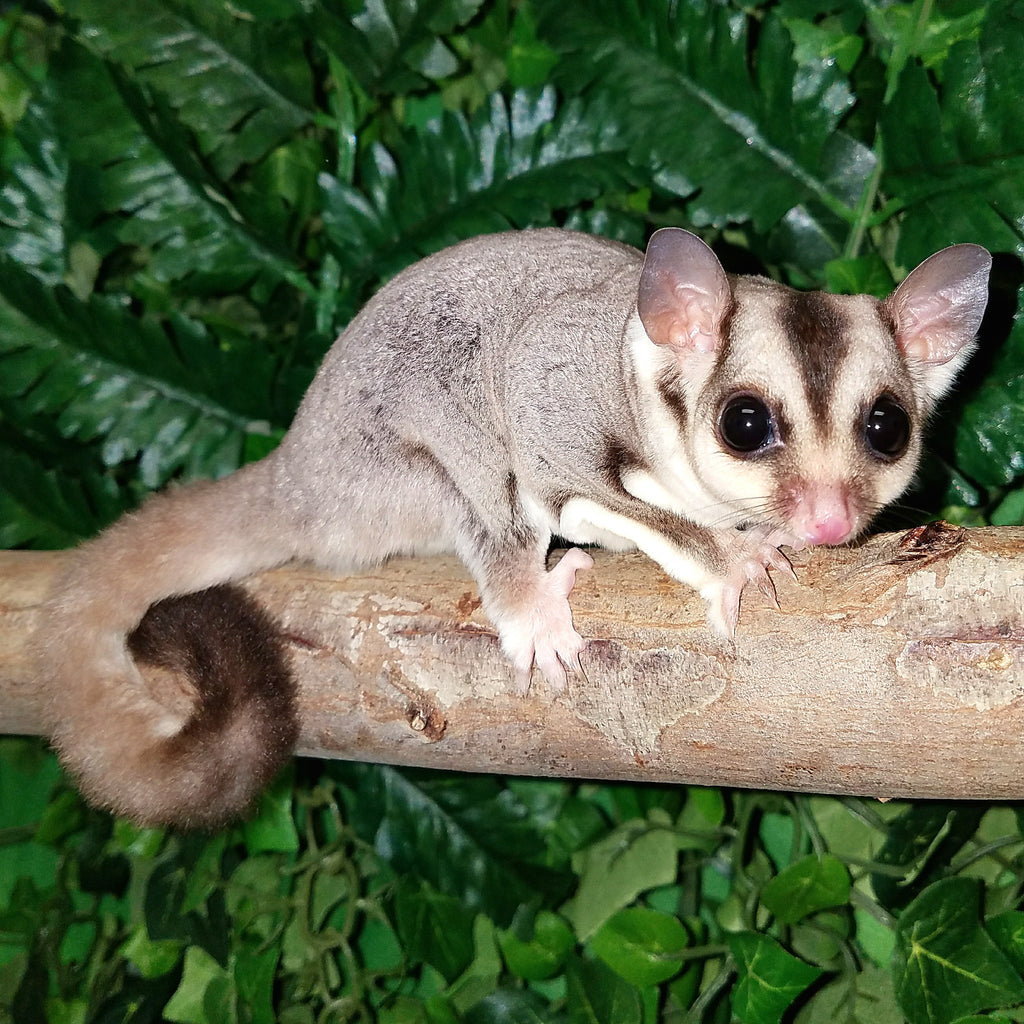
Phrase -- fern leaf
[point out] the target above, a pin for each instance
(513, 164)
(106, 376)
(140, 183)
(241, 84)
(722, 115)
(47, 507)
(393, 46)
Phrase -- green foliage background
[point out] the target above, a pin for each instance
(195, 197)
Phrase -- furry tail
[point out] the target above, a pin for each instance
(189, 731)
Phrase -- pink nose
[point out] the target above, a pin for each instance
(822, 513)
(833, 529)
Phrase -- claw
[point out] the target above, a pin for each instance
(751, 554)
(541, 633)
(765, 585)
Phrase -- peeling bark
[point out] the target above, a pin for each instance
(894, 669)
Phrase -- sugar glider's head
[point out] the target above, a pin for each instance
(804, 409)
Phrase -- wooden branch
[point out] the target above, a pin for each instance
(895, 669)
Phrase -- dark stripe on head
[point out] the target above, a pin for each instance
(617, 458)
(671, 392)
(818, 336)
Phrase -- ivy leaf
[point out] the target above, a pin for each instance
(809, 885)
(639, 855)
(433, 927)
(769, 978)
(946, 965)
(597, 995)
(206, 991)
(472, 840)
(922, 840)
(641, 945)
(1007, 930)
(542, 951)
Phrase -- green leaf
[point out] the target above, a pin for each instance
(151, 958)
(641, 945)
(480, 978)
(472, 839)
(867, 275)
(637, 856)
(921, 841)
(769, 978)
(946, 965)
(992, 421)
(809, 885)
(597, 995)
(43, 507)
(206, 992)
(1009, 511)
(542, 953)
(141, 183)
(508, 1006)
(865, 998)
(33, 200)
(955, 158)
(1007, 930)
(387, 45)
(273, 827)
(511, 165)
(26, 783)
(143, 387)
(732, 121)
(433, 927)
(241, 85)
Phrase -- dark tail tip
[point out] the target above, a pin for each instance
(244, 728)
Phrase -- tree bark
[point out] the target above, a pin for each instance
(894, 669)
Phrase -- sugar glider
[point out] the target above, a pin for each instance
(512, 388)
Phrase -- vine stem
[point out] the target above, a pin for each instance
(703, 1002)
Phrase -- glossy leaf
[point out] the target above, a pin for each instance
(240, 84)
(542, 952)
(769, 978)
(206, 991)
(946, 965)
(447, 834)
(597, 995)
(956, 165)
(641, 945)
(510, 165)
(725, 120)
(634, 858)
(810, 884)
(393, 46)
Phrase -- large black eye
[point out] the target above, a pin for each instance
(887, 429)
(745, 424)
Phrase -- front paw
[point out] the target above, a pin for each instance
(540, 632)
(749, 555)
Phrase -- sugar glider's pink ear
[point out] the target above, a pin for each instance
(684, 293)
(938, 308)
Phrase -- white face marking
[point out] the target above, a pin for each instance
(820, 467)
